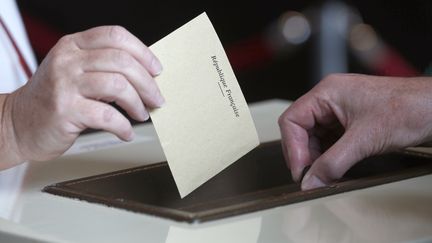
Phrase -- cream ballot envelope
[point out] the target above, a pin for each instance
(205, 124)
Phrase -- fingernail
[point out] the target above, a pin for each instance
(131, 136)
(146, 116)
(311, 182)
(156, 66)
(298, 173)
(304, 172)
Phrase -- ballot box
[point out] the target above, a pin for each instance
(128, 195)
(259, 180)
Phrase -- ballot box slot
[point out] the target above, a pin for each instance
(259, 180)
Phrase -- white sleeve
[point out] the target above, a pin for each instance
(11, 73)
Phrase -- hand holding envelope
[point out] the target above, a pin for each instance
(205, 124)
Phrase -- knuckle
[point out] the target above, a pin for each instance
(60, 55)
(328, 86)
(338, 85)
(99, 116)
(331, 79)
(117, 33)
(108, 114)
(118, 83)
(66, 40)
(122, 59)
(115, 122)
(282, 120)
(287, 115)
(341, 78)
(59, 59)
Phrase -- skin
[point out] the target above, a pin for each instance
(348, 117)
(70, 90)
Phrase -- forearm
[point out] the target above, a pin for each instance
(9, 151)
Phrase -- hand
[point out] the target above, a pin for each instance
(348, 117)
(70, 90)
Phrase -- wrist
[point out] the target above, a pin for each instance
(9, 148)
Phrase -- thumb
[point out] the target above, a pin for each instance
(333, 164)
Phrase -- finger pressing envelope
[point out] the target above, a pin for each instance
(111, 87)
(333, 163)
(118, 61)
(119, 38)
(296, 145)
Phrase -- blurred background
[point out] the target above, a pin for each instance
(278, 49)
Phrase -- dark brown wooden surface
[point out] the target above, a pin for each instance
(258, 181)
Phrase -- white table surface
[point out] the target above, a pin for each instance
(395, 212)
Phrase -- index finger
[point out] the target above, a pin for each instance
(295, 140)
(118, 37)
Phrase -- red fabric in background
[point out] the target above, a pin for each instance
(249, 53)
(392, 63)
(42, 36)
(245, 54)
